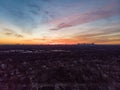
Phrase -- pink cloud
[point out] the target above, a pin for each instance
(82, 18)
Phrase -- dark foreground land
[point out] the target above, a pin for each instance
(61, 67)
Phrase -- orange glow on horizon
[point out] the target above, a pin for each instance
(52, 41)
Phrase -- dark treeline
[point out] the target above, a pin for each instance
(23, 66)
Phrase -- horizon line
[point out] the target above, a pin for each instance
(62, 44)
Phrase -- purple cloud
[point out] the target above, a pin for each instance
(73, 20)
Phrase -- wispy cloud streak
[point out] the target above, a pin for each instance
(10, 32)
(73, 20)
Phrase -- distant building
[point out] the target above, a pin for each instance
(86, 44)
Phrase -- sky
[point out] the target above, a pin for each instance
(59, 21)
